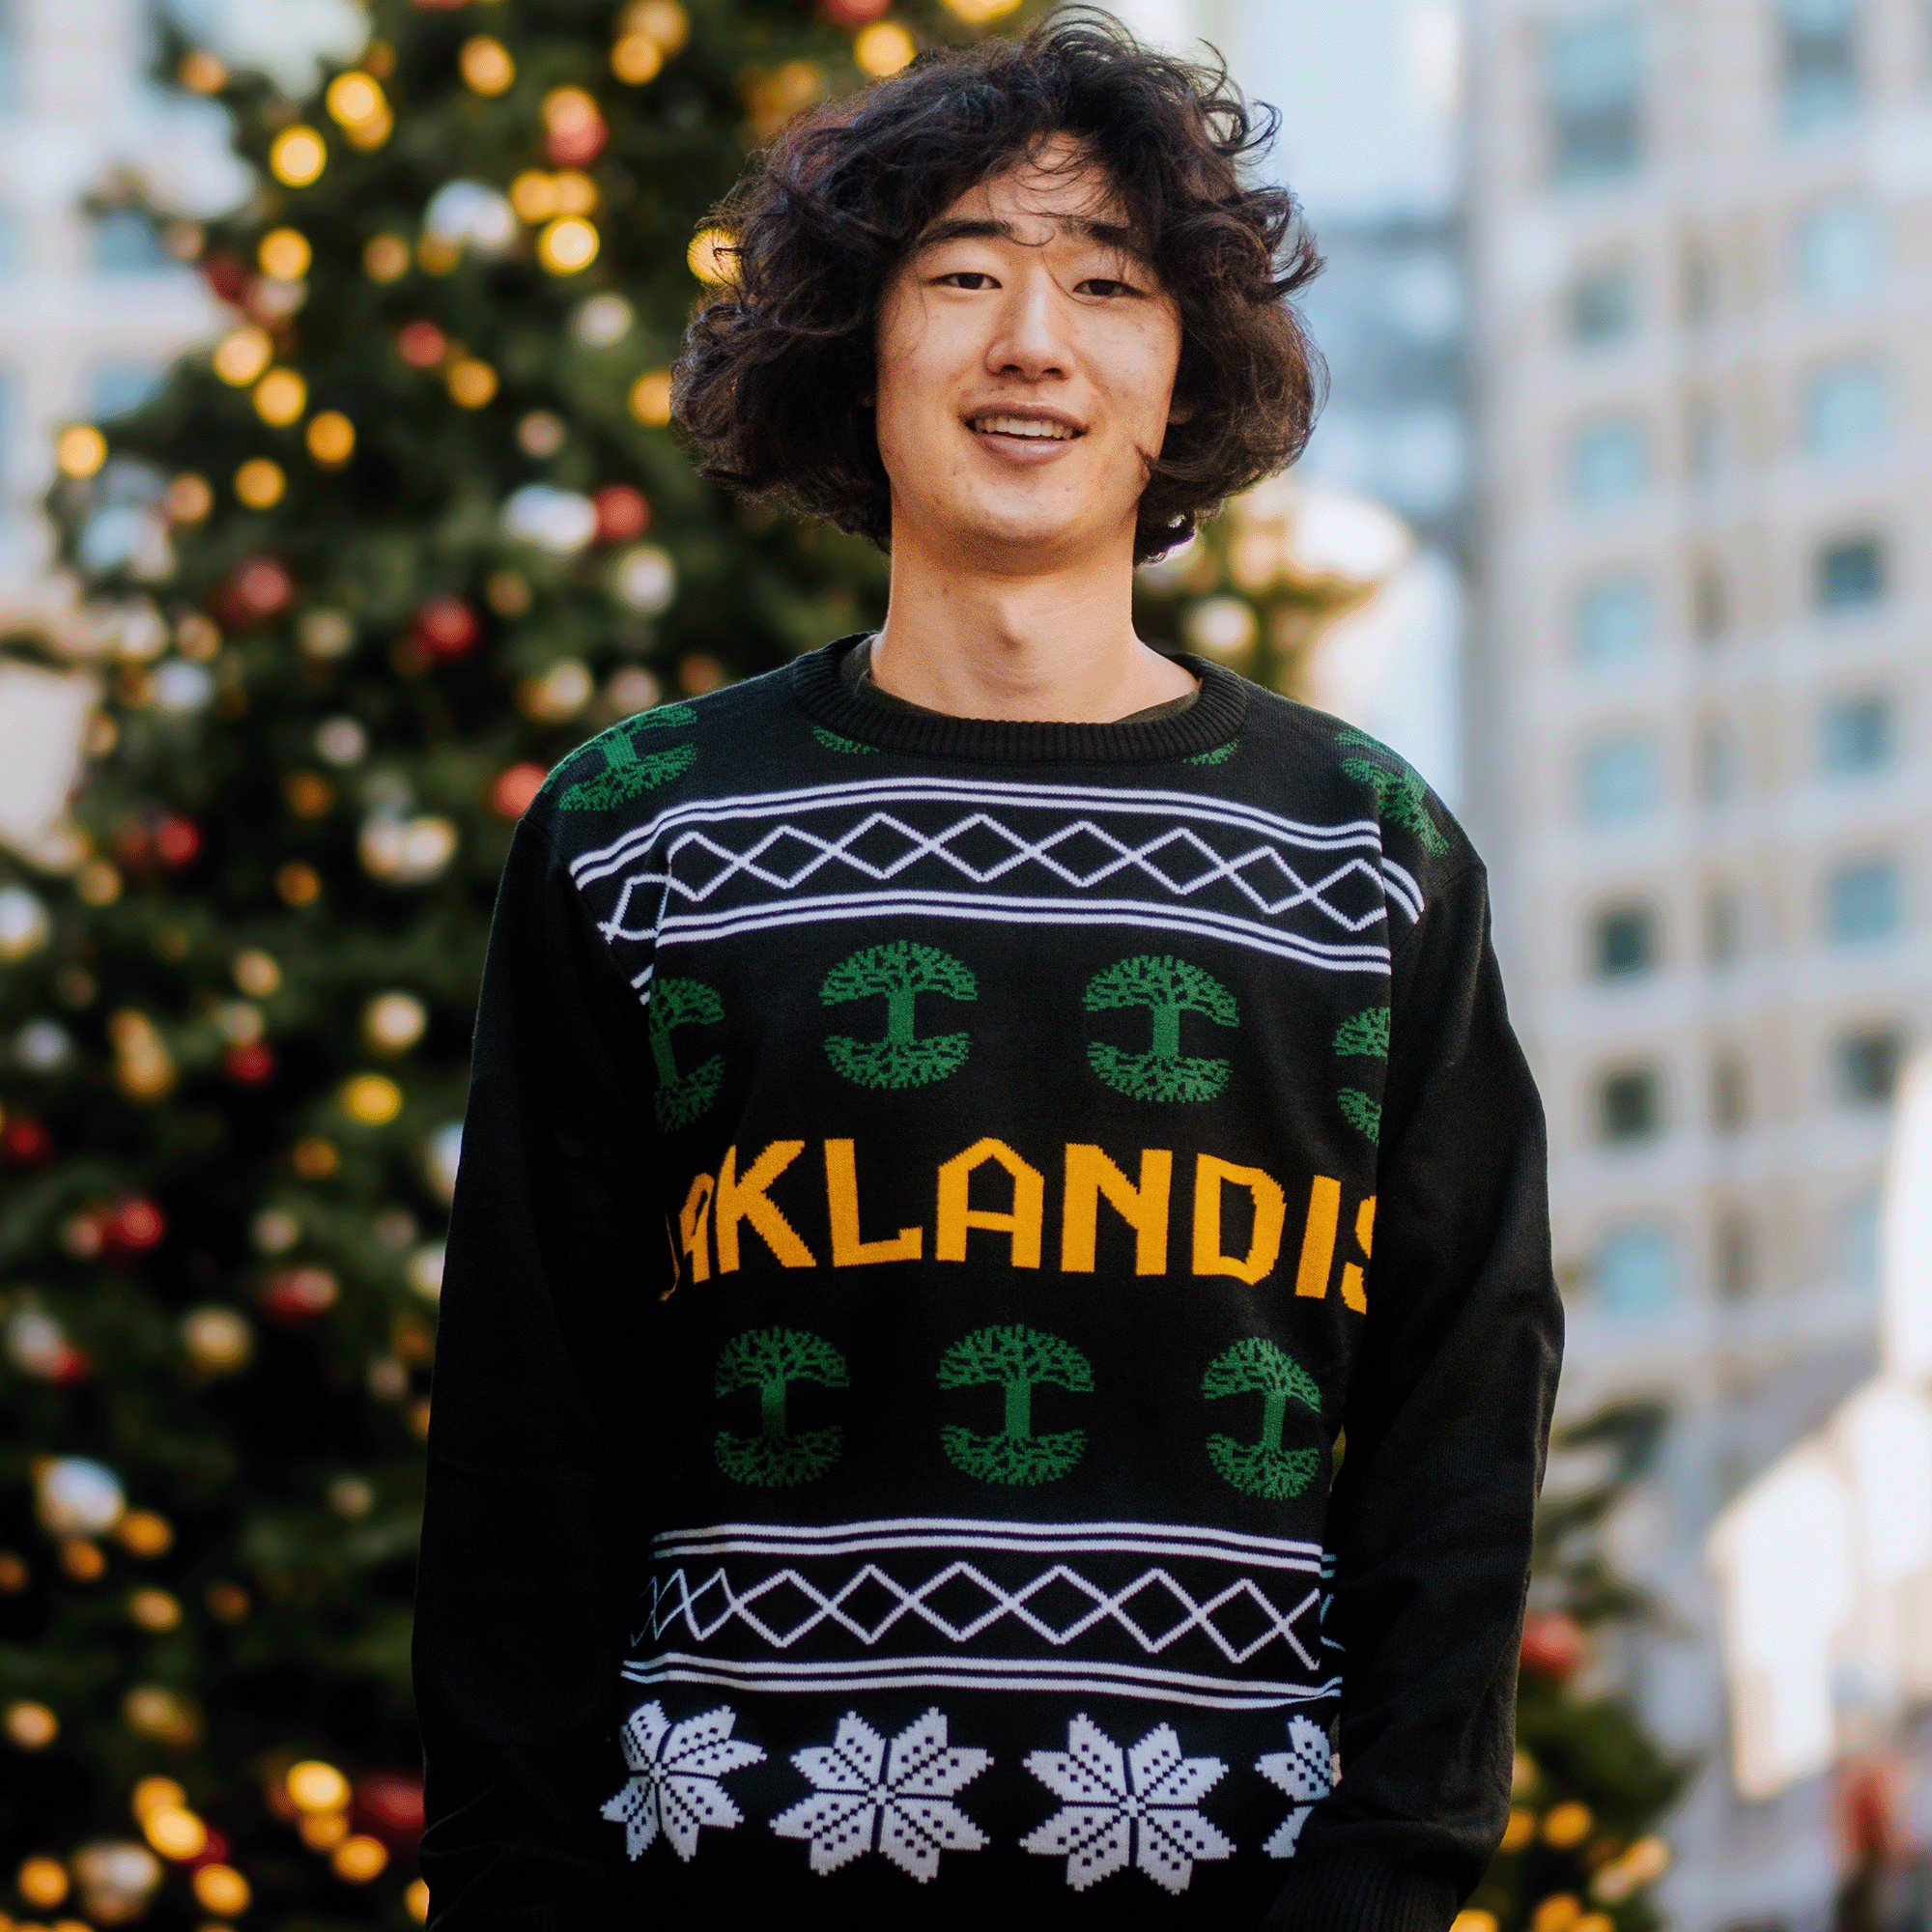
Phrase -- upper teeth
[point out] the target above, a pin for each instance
(1021, 426)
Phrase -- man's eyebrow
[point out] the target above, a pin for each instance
(1108, 234)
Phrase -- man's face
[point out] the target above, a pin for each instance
(1026, 358)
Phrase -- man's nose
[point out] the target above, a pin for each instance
(1031, 339)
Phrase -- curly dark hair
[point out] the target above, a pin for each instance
(770, 383)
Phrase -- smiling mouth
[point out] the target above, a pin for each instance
(1035, 427)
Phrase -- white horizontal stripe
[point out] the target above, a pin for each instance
(1354, 834)
(1403, 883)
(993, 911)
(1168, 1686)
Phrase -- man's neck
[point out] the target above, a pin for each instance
(1055, 643)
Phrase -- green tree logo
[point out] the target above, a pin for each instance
(1401, 795)
(1263, 1468)
(1018, 1360)
(1167, 987)
(1363, 1036)
(628, 772)
(898, 972)
(681, 1097)
(769, 1360)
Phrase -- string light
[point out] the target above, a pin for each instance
(260, 483)
(222, 1889)
(280, 397)
(80, 451)
(387, 258)
(710, 250)
(568, 245)
(883, 49)
(471, 384)
(314, 1785)
(331, 438)
(284, 254)
(242, 355)
(650, 398)
(297, 157)
(486, 66)
(372, 1098)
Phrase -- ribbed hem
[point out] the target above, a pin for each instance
(1211, 721)
(1356, 1895)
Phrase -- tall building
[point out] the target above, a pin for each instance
(92, 309)
(1701, 698)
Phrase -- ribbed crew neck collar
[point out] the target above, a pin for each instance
(1209, 721)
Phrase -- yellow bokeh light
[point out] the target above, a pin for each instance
(664, 21)
(471, 384)
(977, 13)
(372, 1098)
(883, 48)
(188, 498)
(650, 398)
(533, 196)
(297, 157)
(360, 1858)
(416, 1901)
(387, 259)
(241, 356)
(284, 254)
(569, 244)
(569, 107)
(176, 1833)
(201, 72)
(152, 1792)
(31, 1727)
(486, 63)
(576, 192)
(1567, 1824)
(280, 397)
(41, 1881)
(155, 1609)
(372, 133)
(222, 1889)
(80, 451)
(324, 1830)
(313, 1785)
(331, 438)
(354, 97)
(260, 483)
(636, 59)
(710, 255)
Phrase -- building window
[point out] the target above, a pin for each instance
(1847, 411)
(1856, 734)
(1710, 605)
(1724, 927)
(113, 389)
(1623, 942)
(1603, 304)
(125, 243)
(1630, 1105)
(1851, 574)
(1592, 74)
(1821, 63)
(1620, 777)
(1716, 762)
(1862, 899)
(1703, 439)
(1855, 1237)
(1731, 1091)
(1636, 1270)
(1609, 464)
(1840, 252)
(1734, 1257)
(1614, 620)
(1867, 1064)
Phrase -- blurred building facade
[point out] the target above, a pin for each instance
(1701, 696)
(92, 309)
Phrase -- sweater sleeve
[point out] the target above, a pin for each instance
(1447, 1421)
(556, 1247)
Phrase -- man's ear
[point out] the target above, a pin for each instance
(1181, 412)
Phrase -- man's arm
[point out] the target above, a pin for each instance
(556, 1248)
(1447, 1421)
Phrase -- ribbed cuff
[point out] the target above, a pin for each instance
(1358, 1895)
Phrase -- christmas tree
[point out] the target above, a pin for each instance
(360, 577)
(1590, 1784)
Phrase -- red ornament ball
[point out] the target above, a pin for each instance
(855, 13)
(390, 1805)
(515, 790)
(248, 1066)
(177, 842)
(422, 345)
(225, 274)
(447, 627)
(621, 512)
(297, 1296)
(1554, 1644)
(25, 1143)
(131, 1226)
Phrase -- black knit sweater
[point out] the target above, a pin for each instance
(998, 1333)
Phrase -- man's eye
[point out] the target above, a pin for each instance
(1101, 285)
(967, 278)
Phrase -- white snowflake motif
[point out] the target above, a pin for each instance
(676, 1788)
(1136, 1807)
(1302, 1770)
(899, 1795)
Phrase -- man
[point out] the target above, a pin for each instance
(1097, 1385)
